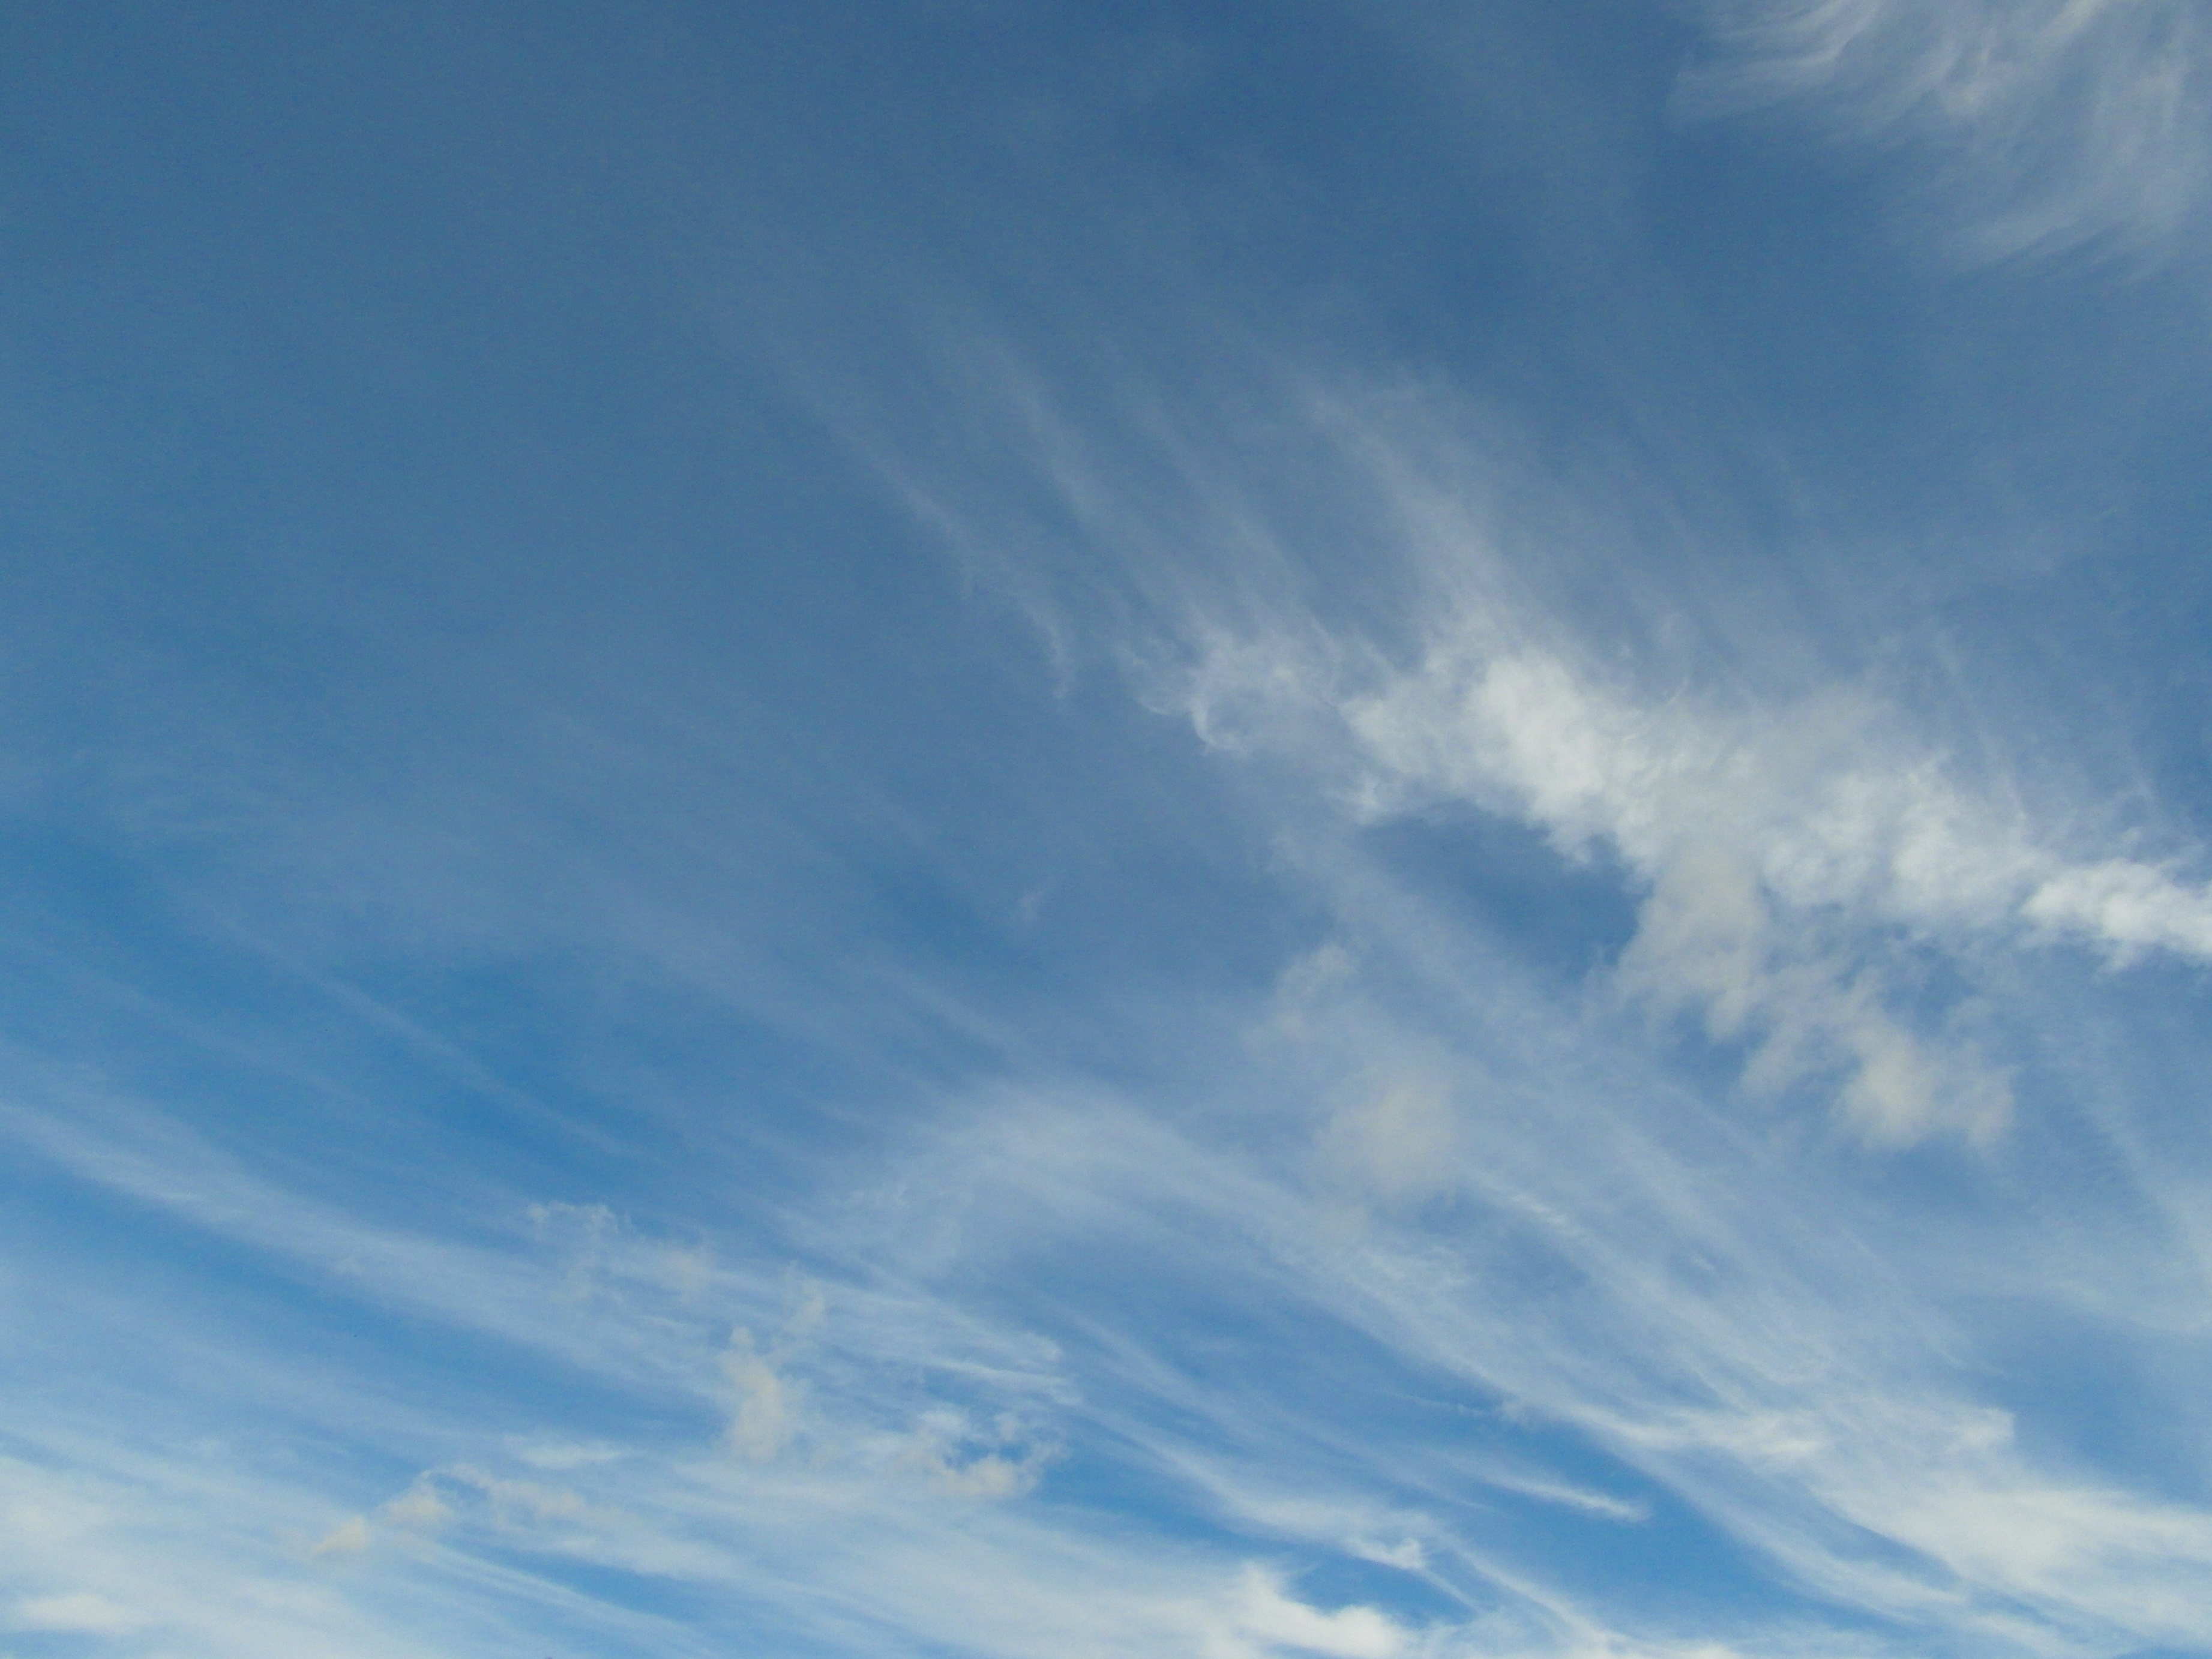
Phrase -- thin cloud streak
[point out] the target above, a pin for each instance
(1797, 859)
(1797, 855)
(2050, 125)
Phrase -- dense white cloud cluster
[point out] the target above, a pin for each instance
(1777, 847)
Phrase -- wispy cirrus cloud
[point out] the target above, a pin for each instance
(2046, 125)
(1508, 1051)
(1776, 845)
(1805, 861)
(808, 1471)
(1438, 1182)
(1796, 853)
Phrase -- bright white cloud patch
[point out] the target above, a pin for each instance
(1783, 851)
(1267, 1620)
(763, 1423)
(348, 1537)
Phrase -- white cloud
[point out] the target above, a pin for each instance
(1406, 1554)
(519, 1502)
(1267, 1620)
(1609, 1256)
(348, 1538)
(1823, 875)
(1619, 1264)
(194, 1541)
(1824, 803)
(1005, 1461)
(1574, 1497)
(1803, 859)
(418, 1506)
(1400, 1139)
(2047, 124)
(763, 1423)
(1776, 845)
(2131, 907)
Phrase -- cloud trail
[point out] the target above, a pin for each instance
(2049, 126)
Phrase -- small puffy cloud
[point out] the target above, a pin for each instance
(521, 1502)
(1406, 1554)
(990, 1477)
(1266, 1619)
(766, 1413)
(419, 1506)
(1704, 935)
(762, 1424)
(1399, 1140)
(351, 1538)
(2131, 907)
(1003, 1462)
(1708, 938)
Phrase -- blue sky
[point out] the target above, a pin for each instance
(968, 829)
